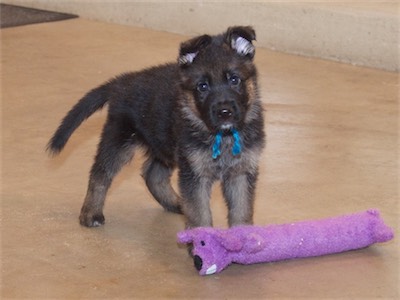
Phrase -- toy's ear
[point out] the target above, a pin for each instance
(240, 39)
(229, 241)
(191, 48)
(185, 237)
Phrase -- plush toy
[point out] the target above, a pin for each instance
(214, 249)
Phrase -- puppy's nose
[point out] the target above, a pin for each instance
(224, 114)
(198, 262)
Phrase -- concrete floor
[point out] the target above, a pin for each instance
(332, 149)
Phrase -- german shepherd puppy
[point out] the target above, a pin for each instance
(202, 114)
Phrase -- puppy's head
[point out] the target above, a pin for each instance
(218, 79)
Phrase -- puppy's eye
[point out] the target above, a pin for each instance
(203, 243)
(203, 87)
(234, 80)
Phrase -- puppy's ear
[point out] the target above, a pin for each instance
(240, 39)
(191, 48)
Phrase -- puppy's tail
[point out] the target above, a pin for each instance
(89, 104)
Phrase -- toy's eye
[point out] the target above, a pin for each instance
(202, 243)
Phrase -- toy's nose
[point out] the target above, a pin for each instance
(198, 262)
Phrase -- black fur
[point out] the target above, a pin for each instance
(175, 111)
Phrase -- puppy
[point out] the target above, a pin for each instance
(202, 115)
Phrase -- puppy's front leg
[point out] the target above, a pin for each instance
(196, 193)
(238, 190)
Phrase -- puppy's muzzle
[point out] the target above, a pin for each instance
(224, 114)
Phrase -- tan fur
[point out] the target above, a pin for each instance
(241, 209)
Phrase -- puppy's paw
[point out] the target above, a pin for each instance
(89, 220)
(189, 248)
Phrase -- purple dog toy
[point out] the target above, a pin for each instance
(214, 249)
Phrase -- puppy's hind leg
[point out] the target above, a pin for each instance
(158, 180)
(114, 151)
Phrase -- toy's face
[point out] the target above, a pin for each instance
(209, 255)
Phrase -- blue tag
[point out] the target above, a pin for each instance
(217, 145)
(236, 148)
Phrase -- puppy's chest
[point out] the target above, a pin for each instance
(204, 164)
